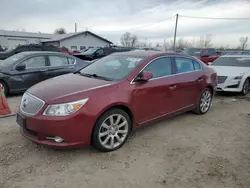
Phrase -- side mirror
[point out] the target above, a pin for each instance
(21, 67)
(144, 76)
(209, 63)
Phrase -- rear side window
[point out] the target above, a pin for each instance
(209, 52)
(58, 61)
(197, 65)
(184, 65)
(160, 67)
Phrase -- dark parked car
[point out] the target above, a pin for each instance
(97, 53)
(112, 96)
(23, 70)
(24, 48)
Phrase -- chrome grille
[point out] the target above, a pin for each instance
(31, 105)
(221, 79)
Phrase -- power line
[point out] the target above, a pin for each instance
(214, 18)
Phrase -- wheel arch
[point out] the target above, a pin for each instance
(121, 106)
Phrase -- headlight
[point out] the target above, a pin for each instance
(238, 78)
(64, 109)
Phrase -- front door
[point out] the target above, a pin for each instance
(190, 78)
(153, 98)
(35, 72)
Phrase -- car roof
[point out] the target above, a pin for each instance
(148, 53)
(41, 52)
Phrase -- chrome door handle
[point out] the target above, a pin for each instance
(43, 70)
(172, 87)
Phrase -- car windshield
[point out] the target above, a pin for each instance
(192, 51)
(9, 61)
(112, 67)
(232, 61)
(90, 51)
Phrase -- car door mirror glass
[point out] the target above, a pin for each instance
(21, 67)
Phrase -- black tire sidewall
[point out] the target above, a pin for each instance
(95, 134)
(246, 82)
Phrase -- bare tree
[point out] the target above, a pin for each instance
(208, 40)
(60, 31)
(243, 42)
(129, 40)
(134, 41)
(205, 41)
(181, 44)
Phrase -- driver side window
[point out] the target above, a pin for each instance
(99, 52)
(35, 62)
(160, 67)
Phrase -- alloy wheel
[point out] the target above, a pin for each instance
(113, 131)
(205, 102)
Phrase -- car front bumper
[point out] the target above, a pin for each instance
(230, 85)
(75, 130)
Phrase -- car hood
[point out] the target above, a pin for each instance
(230, 71)
(65, 85)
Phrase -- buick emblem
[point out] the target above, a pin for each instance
(25, 102)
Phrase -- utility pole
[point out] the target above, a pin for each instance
(175, 31)
(75, 27)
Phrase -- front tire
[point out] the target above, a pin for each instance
(204, 103)
(245, 87)
(111, 130)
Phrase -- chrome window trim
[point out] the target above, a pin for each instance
(132, 81)
(32, 114)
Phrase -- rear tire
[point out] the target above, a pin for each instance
(245, 87)
(5, 88)
(204, 103)
(111, 130)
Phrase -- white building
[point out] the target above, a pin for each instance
(72, 41)
(78, 41)
(10, 39)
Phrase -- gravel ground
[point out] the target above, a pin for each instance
(187, 151)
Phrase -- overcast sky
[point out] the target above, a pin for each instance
(145, 18)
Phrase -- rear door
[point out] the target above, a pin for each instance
(154, 98)
(59, 65)
(35, 72)
(190, 77)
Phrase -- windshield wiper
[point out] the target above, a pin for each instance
(95, 76)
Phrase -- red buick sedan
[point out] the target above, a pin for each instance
(102, 103)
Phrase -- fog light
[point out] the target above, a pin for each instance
(56, 139)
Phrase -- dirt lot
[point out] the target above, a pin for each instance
(187, 151)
